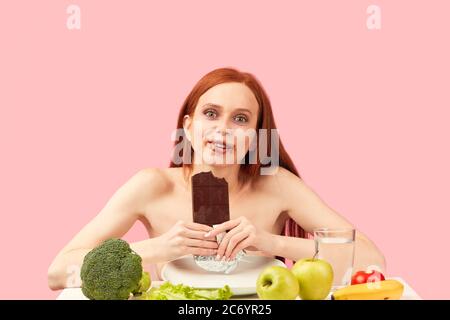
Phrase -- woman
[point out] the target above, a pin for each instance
(266, 210)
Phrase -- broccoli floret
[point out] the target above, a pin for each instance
(111, 271)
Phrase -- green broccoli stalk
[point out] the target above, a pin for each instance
(111, 271)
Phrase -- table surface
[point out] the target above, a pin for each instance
(76, 294)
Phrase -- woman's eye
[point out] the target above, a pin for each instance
(241, 118)
(210, 113)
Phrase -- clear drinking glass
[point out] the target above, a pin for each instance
(337, 247)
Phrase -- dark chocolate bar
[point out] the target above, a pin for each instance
(209, 199)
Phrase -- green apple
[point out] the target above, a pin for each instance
(144, 283)
(277, 283)
(315, 278)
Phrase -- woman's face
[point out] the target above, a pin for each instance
(223, 122)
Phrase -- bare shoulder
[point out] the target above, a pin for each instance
(285, 177)
(156, 179)
(293, 187)
(151, 182)
(288, 188)
(282, 180)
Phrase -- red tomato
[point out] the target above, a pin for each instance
(364, 277)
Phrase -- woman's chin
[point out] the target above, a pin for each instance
(215, 159)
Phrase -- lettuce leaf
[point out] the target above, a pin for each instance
(169, 291)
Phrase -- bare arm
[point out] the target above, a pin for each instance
(113, 221)
(310, 211)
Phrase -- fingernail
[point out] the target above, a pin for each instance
(218, 257)
(207, 234)
(223, 259)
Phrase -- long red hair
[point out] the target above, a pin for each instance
(266, 121)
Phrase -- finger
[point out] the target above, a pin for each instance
(197, 235)
(230, 224)
(198, 226)
(224, 243)
(234, 241)
(201, 243)
(241, 246)
(200, 251)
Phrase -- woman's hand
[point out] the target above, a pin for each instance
(243, 234)
(186, 238)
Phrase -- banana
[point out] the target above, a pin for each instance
(380, 290)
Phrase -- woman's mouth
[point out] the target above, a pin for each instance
(219, 147)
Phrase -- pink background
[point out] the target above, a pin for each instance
(364, 114)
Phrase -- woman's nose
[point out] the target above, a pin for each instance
(222, 127)
(222, 131)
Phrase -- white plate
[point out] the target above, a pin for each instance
(242, 280)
